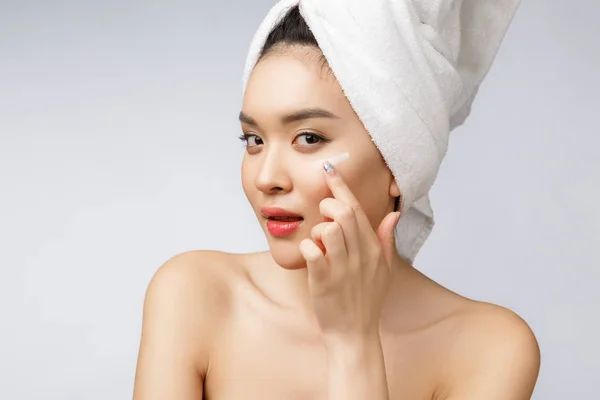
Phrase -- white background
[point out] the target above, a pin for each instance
(119, 149)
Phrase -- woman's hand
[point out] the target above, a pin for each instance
(349, 264)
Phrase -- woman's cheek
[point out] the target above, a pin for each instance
(311, 180)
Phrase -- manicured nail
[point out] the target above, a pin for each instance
(328, 167)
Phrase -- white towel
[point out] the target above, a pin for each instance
(410, 69)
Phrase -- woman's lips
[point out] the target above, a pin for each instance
(282, 228)
(281, 222)
(270, 212)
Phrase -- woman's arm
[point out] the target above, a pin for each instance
(172, 357)
(357, 369)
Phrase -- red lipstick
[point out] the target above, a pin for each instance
(281, 222)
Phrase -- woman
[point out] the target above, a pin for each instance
(334, 309)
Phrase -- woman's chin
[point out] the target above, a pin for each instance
(287, 255)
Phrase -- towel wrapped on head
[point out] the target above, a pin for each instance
(410, 69)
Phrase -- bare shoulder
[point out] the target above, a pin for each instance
(195, 284)
(200, 275)
(186, 301)
(493, 354)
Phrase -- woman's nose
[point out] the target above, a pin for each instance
(273, 176)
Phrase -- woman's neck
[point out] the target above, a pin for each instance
(289, 287)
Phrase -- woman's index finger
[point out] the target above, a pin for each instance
(338, 186)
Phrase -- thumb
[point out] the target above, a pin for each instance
(386, 235)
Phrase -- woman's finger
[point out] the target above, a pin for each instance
(342, 192)
(339, 188)
(344, 215)
(315, 234)
(332, 237)
(316, 264)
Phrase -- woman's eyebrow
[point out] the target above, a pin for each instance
(307, 113)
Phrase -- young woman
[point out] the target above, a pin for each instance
(331, 310)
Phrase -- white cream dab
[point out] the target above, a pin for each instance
(337, 159)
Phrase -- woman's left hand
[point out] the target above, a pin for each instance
(348, 281)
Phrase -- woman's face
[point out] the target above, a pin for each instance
(294, 115)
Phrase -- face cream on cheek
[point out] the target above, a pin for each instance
(335, 160)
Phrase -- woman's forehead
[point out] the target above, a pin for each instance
(293, 80)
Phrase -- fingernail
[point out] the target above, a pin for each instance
(328, 167)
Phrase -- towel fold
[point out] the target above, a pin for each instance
(410, 69)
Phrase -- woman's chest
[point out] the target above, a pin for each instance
(266, 361)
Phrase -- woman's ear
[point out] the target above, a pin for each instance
(394, 189)
(395, 193)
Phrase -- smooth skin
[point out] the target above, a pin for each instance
(331, 311)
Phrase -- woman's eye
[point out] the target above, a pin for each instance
(250, 140)
(308, 139)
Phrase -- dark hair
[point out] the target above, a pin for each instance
(293, 30)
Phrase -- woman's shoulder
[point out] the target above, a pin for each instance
(200, 274)
(482, 322)
(186, 302)
(208, 264)
(490, 342)
(189, 298)
(201, 279)
(181, 286)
